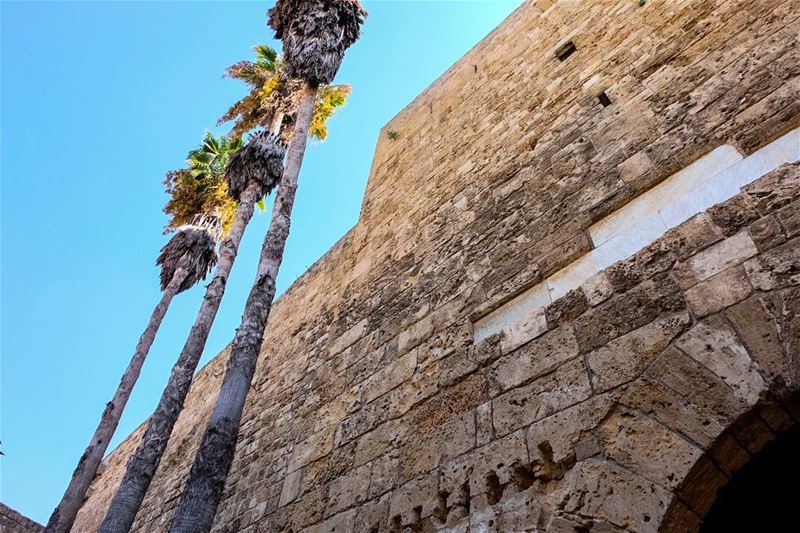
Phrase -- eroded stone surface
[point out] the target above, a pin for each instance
(374, 408)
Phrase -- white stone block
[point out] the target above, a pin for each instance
(729, 182)
(664, 193)
(515, 317)
(623, 245)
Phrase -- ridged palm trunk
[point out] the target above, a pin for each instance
(143, 463)
(64, 514)
(185, 259)
(206, 481)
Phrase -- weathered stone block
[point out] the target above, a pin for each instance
(606, 491)
(756, 323)
(777, 269)
(532, 360)
(648, 448)
(311, 449)
(718, 292)
(626, 312)
(721, 256)
(715, 345)
(519, 407)
(624, 358)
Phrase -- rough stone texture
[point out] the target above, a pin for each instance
(634, 398)
(13, 522)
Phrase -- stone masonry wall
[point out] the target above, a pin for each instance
(13, 522)
(373, 409)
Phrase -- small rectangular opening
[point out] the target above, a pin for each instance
(604, 99)
(565, 51)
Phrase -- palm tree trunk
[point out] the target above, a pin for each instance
(277, 122)
(143, 463)
(64, 514)
(206, 482)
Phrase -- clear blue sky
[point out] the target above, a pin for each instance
(99, 99)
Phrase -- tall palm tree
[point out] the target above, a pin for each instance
(186, 259)
(315, 35)
(265, 100)
(251, 173)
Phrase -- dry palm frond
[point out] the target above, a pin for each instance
(261, 159)
(315, 35)
(192, 248)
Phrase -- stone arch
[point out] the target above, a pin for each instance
(723, 388)
(731, 451)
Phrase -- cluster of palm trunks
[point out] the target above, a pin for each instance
(315, 35)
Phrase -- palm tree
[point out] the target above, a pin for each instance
(273, 97)
(186, 259)
(315, 35)
(201, 187)
(251, 173)
(265, 99)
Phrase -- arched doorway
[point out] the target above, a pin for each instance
(764, 495)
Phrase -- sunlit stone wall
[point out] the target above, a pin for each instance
(450, 364)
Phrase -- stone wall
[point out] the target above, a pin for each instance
(13, 522)
(374, 409)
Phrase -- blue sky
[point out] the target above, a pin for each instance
(99, 99)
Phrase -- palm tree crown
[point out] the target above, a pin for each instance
(273, 94)
(201, 187)
(193, 249)
(261, 159)
(315, 35)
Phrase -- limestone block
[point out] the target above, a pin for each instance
(567, 308)
(603, 490)
(388, 377)
(291, 487)
(789, 218)
(692, 236)
(420, 492)
(755, 321)
(552, 441)
(426, 450)
(484, 430)
(775, 190)
(675, 186)
(648, 448)
(311, 449)
(532, 360)
(718, 292)
(344, 521)
(520, 319)
(500, 458)
(519, 407)
(626, 312)
(674, 411)
(624, 358)
(349, 489)
(715, 345)
(777, 269)
(733, 214)
(713, 260)
(597, 289)
(767, 232)
(697, 385)
(349, 337)
(380, 440)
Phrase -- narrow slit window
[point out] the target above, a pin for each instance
(565, 51)
(604, 99)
